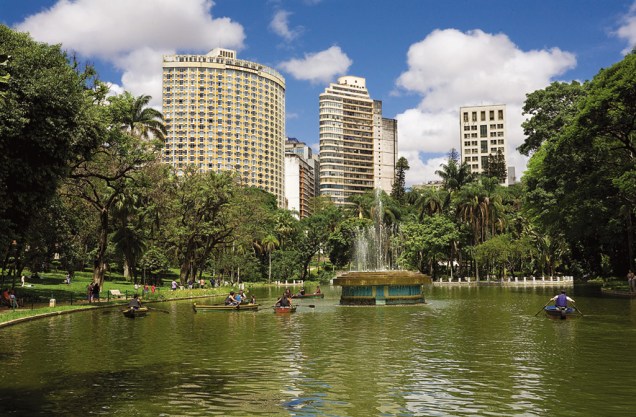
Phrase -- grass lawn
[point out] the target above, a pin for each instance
(37, 293)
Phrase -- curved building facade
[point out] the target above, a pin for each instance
(225, 114)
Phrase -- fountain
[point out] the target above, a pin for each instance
(375, 281)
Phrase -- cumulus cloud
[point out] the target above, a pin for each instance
(280, 26)
(627, 29)
(450, 69)
(318, 67)
(129, 33)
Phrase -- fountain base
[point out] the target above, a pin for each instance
(382, 287)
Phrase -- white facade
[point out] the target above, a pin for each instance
(299, 184)
(483, 134)
(354, 158)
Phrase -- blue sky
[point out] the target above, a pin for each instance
(424, 59)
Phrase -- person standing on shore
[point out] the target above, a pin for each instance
(631, 280)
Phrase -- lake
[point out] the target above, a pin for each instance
(475, 351)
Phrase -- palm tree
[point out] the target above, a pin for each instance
(138, 119)
(455, 175)
(270, 243)
(431, 201)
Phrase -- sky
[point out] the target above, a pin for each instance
(423, 59)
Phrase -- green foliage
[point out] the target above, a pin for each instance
(550, 110)
(47, 118)
(496, 167)
(425, 243)
(398, 189)
(578, 182)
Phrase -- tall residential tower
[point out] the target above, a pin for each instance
(357, 149)
(225, 114)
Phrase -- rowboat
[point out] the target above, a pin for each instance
(617, 293)
(222, 307)
(554, 311)
(135, 312)
(319, 295)
(284, 310)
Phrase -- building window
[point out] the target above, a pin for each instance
(474, 116)
(483, 131)
(500, 114)
(465, 117)
(484, 146)
(483, 116)
(492, 115)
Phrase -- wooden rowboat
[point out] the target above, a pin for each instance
(617, 293)
(320, 295)
(554, 311)
(284, 310)
(222, 307)
(135, 312)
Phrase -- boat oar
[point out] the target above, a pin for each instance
(158, 309)
(577, 309)
(546, 304)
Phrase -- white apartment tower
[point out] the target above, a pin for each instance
(483, 134)
(225, 114)
(301, 170)
(355, 154)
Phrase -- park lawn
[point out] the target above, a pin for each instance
(36, 295)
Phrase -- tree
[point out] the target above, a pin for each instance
(103, 176)
(550, 110)
(424, 244)
(398, 189)
(454, 174)
(270, 243)
(47, 118)
(136, 118)
(578, 180)
(496, 167)
(196, 219)
(4, 76)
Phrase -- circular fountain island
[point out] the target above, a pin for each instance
(374, 281)
(382, 287)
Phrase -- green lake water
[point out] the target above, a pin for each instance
(477, 351)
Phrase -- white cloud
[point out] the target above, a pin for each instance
(280, 26)
(129, 33)
(421, 171)
(320, 66)
(627, 30)
(450, 69)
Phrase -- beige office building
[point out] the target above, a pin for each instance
(483, 133)
(225, 114)
(354, 158)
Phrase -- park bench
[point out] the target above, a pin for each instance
(116, 294)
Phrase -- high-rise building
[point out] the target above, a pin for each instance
(225, 114)
(385, 148)
(301, 169)
(354, 153)
(483, 134)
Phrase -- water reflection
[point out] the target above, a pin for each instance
(470, 351)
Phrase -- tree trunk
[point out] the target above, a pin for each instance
(630, 241)
(269, 277)
(99, 268)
